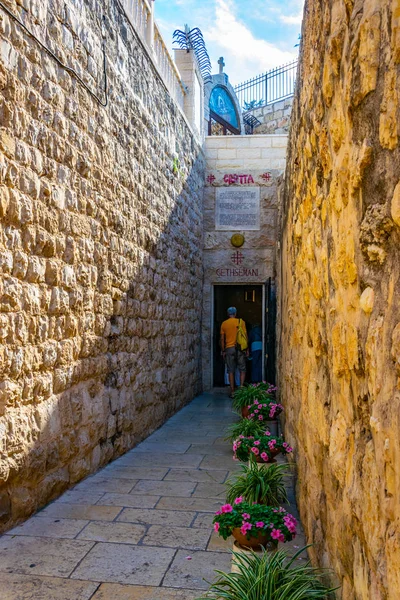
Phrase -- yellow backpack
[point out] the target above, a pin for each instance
(241, 338)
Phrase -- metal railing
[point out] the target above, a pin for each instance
(141, 15)
(272, 86)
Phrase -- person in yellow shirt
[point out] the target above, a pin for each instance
(233, 357)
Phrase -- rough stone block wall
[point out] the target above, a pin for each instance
(340, 289)
(274, 118)
(100, 250)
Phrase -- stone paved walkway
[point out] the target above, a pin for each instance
(139, 529)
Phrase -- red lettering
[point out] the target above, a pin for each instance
(233, 178)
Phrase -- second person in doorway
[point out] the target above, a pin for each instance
(233, 356)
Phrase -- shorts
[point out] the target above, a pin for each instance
(235, 359)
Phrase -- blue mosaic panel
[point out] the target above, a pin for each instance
(221, 103)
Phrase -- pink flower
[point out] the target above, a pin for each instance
(267, 432)
(239, 500)
(256, 411)
(256, 401)
(252, 415)
(219, 512)
(289, 449)
(257, 442)
(234, 447)
(260, 524)
(245, 528)
(264, 456)
(255, 450)
(216, 527)
(227, 508)
(261, 418)
(277, 534)
(246, 516)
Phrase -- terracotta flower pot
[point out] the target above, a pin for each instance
(254, 542)
(260, 463)
(245, 412)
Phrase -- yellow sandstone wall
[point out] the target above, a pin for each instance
(340, 292)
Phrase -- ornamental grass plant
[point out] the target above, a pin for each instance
(259, 485)
(270, 576)
(245, 427)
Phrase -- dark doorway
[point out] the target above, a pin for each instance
(248, 301)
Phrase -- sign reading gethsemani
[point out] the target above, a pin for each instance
(237, 209)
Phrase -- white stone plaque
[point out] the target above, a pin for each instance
(237, 208)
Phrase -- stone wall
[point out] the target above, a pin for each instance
(274, 118)
(235, 162)
(100, 250)
(340, 289)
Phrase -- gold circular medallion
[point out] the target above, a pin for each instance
(237, 240)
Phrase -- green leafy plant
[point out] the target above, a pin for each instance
(248, 394)
(262, 448)
(270, 576)
(245, 427)
(259, 485)
(253, 520)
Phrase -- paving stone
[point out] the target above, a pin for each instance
(204, 520)
(182, 489)
(161, 460)
(219, 462)
(197, 504)
(122, 533)
(15, 586)
(210, 490)
(50, 527)
(80, 497)
(177, 537)
(129, 500)
(170, 447)
(124, 472)
(80, 511)
(41, 556)
(122, 563)
(218, 544)
(224, 450)
(195, 573)
(169, 518)
(196, 475)
(99, 483)
(134, 592)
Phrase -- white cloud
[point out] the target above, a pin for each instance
(245, 55)
(292, 19)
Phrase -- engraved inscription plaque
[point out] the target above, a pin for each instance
(237, 209)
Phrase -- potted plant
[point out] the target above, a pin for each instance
(264, 485)
(266, 410)
(262, 448)
(254, 525)
(247, 395)
(270, 575)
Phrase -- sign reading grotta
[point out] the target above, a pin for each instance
(237, 208)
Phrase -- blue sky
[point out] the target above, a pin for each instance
(252, 36)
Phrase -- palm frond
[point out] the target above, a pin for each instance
(192, 39)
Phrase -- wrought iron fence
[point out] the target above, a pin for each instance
(272, 86)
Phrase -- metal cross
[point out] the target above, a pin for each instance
(221, 64)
